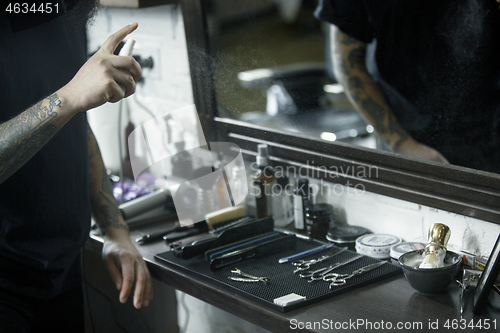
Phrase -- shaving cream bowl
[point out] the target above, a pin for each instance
(429, 280)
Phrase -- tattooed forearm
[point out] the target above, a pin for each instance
(356, 58)
(104, 206)
(350, 70)
(22, 136)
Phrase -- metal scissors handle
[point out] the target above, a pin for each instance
(320, 273)
(304, 265)
(341, 280)
(310, 274)
(247, 277)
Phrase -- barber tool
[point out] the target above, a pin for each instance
(244, 277)
(214, 253)
(177, 231)
(186, 231)
(319, 273)
(231, 223)
(158, 235)
(228, 236)
(305, 253)
(269, 247)
(304, 265)
(339, 280)
(469, 278)
(435, 250)
(212, 225)
(225, 214)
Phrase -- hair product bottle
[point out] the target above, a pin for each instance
(264, 179)
(301, 203)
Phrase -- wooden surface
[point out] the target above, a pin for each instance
(380, 304)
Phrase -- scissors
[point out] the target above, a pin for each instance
(319, 273)
(304, 265)
(340, 279)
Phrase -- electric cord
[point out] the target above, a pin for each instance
(144, 107)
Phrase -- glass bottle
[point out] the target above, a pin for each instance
(265, 179)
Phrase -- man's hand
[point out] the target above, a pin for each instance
(127, 269)
(410, 147)
(105, 77)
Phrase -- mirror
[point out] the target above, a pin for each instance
(270, 70)
(451, 188)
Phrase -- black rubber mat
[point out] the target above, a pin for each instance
(282, 280)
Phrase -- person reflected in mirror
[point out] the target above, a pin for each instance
(424, 73)
(52, 176)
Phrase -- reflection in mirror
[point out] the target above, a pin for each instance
(438, 76)
(270, 70)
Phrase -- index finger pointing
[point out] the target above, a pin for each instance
(112, 42)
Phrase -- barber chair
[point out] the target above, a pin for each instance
(306, 98)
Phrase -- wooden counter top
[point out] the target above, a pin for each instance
(380, 306)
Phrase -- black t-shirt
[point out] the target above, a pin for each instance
(44, 206)
(437, 64)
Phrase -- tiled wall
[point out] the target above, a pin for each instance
(410, 221)
(166, 87)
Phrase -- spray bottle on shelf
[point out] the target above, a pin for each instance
(240, 187)
(301, 203)
(182, 161)
(263, 182)
(282, 202)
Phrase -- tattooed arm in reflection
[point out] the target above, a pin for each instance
(348, 56)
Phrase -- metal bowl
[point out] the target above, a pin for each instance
(429, 280)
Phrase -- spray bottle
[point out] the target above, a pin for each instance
(263, 181)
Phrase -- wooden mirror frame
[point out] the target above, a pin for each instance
(451, 188)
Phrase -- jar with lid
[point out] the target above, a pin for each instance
(319, 219)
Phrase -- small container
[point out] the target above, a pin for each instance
(429, 280)
(376, 245)
(319, 219)
(301, 204)
(399, 249)
(345, 235)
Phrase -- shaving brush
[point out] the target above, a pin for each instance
(435, 250)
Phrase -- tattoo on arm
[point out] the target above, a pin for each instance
(104, 206)
(22, 136)
(350, 69)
